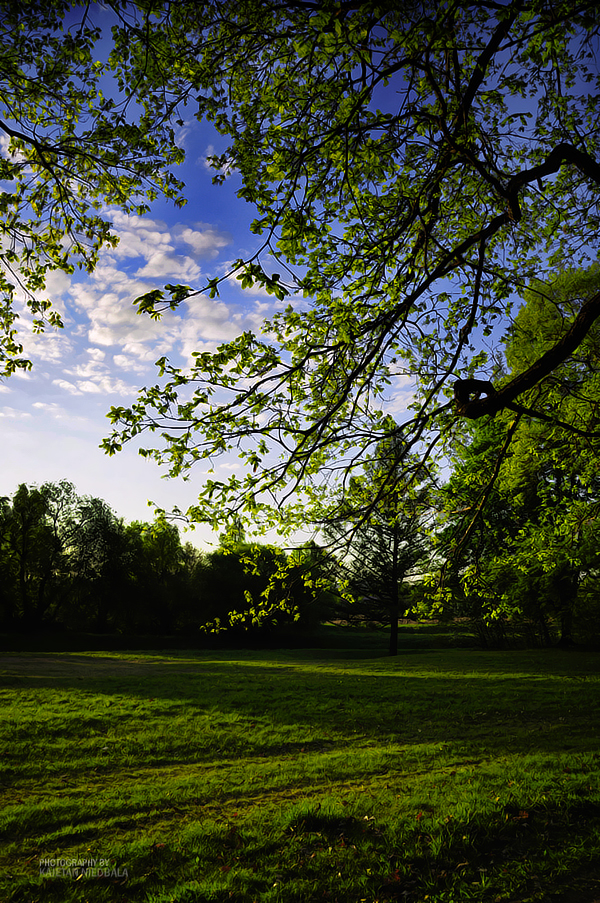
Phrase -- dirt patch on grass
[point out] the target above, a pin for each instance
(82, 666)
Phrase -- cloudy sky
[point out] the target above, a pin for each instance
(54, 417)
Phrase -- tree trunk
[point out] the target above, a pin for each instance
(569, 597)
(394, 630)
(394, 597)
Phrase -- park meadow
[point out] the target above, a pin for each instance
(333, 774)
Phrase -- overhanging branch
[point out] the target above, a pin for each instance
(468, 392)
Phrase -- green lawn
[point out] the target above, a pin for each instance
(452, 775)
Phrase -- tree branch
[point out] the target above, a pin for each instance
(468, 392)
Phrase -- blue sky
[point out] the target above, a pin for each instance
(54, 417)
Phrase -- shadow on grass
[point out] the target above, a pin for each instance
(545, 699)
(333, 724)
(312, 855)
(479, 852)
(356, 641)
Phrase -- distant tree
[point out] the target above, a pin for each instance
(309, 579)
(292, 587)
(233, 581)
(385, 547)
(70, 561)
(36, 526)
(189, 598)
(35, 545)
(99, 557)
(8, 582)
(158, 567)
(62, 514)
(259, 588)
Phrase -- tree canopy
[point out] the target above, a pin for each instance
(413, 168)
(521, 506)
(74, 140)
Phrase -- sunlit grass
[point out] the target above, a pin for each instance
(299, 776)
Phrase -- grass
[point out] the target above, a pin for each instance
(306, 775)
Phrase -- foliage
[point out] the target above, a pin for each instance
(412, 168)
(36, 528)
(98, 558)
(523, 500)
(72, 142)
(162, 577)
(69, 562)
(259, 588)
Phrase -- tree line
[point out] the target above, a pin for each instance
(69, 562)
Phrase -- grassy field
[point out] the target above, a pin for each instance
(306, 775)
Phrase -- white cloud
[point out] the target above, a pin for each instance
(139, 236)
(71, 421)
(206, 240)
(143, 237)
(162, 265)
(104, 385)
(57, 285)
(113, 321)
(53, 410)
(107, 385)
(51, 346)
(107, 300)
(143, 352)
(107, 295)
(89, 369)
(211, 318)
(183, 132)
(14, 156)
(127, 363)
(14, 414)
(210, 321)
(66, 386)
